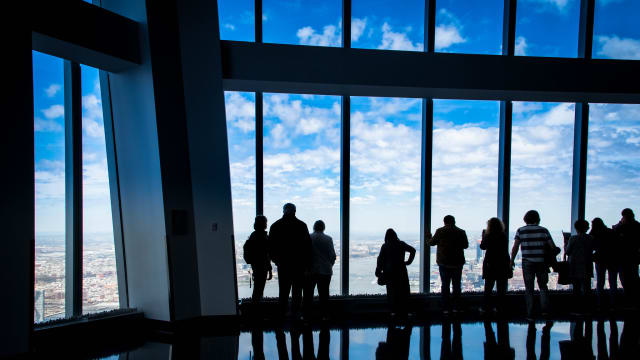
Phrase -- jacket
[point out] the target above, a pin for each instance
(290, 244)
(451, 242)
(496, 264)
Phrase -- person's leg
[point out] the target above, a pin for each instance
(528, 275)
(488, 288)
(501, 287)
(601, 270)
(613, 285)
(323, 292)
(284, 287)
(456, 280)
(542, 275)
(445, 278)
(392, 295)
(259, 280)
(576, 292)
(299, 283)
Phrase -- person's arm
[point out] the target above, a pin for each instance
(570, 245)
(380, 262)
(412, 254)
(435, 239)
(514, 251)
(332, 250)
(465, 240)
(484, 243)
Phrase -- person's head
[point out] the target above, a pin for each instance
(581, 226)
(597, 224)
(494, 226)
(318, 226)
(260, 223)
(532, 218)
(288, 209)
(627, 215)
(390, 236)
(449, 220)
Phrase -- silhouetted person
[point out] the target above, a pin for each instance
(397, 344)
(606, 247)
(257, 343)
(256, 254)
(500, 349)
(495, 267)
(451, 349)
(545, 341)
(580, 253)
(628, 231)
(392, 267)
(451, 242)
(579, 347)
(290, 249)
(322, 260)
(533, 239)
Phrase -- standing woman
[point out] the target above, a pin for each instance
(606, 246)
(256, 254)
(392, 271)
(496, 268)
(580, 255)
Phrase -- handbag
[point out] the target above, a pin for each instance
(382, 281)
(562, 268)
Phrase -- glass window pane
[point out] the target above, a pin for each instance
(465, 177)
(383, 24)
(615, 29)
(236, 19)
(541, 168)
(48, 97)
(241, 121)
(472, 27)
(302, 22)
(385, 184)
(99, 282)
(613, 162)
(302, 164)
(547, 28)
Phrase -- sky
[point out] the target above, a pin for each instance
(301, 145)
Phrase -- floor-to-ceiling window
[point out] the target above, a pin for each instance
(471, 27)
(547, 28)
(384, 184)
(302, 22)
(616, 34)
(465, 176)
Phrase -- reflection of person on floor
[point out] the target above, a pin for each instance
(397, 344)
(579, 347)
(308, 347)
(545, 341)
(281, 344)
(257, 341)
(602, 340)
(502, 348)
(629, 340)
(451, 349)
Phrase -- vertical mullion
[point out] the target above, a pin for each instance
(259, 121)
(345, 162)
(73, 186)
(581, 125)
(506, 117)
(426, 167)
(258, 20)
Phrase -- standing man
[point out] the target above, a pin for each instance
(534, 240)
(290, 249)
(451, 242)
(323, 258)
(628, 232)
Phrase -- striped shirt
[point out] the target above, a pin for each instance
(532, 242)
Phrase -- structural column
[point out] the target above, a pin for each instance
(73, 188)
(581, 125)
(259, 121)
(506, 112)
(426, 157)
(345, 161)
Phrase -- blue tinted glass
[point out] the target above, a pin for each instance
(383, 24)
(304, 22)
(473, 27)
(616, 30)
(547, 28)
(236, 18)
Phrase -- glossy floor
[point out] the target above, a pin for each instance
(604, 339)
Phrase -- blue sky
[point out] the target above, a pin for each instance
(301, 143)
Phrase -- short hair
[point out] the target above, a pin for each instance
(531, 217)
(318, 226)
(581, 225)
(449, 220)
(289, 208)
(628, 213)
(260, 223)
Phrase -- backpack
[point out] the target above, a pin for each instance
(249, 251)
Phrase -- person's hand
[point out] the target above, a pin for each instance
(513, 265)
(428, 235)
(270, 276)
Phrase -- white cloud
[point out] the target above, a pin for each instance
(330, 36)
(559, 115)
(53, 111)
(230, 27)
(52, 90)
(447, 35)
(240, 111)
(46, 125)
(357, 28)
(560, 5)
(397, 40)
(619, 48)
(92, 116)
(521, 46)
